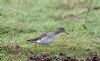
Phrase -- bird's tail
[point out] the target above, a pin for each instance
(31, 41)
(28, 40)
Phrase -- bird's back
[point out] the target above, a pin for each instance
(48, 39)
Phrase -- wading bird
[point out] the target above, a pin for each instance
(46, 39)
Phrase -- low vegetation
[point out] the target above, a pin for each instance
(21, 20)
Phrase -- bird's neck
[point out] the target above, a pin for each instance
(57, 32)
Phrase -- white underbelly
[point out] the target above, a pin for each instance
(45, 40)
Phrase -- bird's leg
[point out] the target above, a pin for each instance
(46, 48)
(33, 47)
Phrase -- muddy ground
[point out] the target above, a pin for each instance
(44, 56)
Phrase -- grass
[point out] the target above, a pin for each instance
(24, 19)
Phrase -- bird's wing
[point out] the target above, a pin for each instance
(43, 35)
(37, 38)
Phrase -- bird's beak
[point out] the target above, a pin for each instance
(66, 33)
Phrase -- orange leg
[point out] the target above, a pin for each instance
(46, 48)
(33, 47)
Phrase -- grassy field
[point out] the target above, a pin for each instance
(21, 20)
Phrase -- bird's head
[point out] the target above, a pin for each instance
(60, 30)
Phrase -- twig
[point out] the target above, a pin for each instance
(88, 10)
